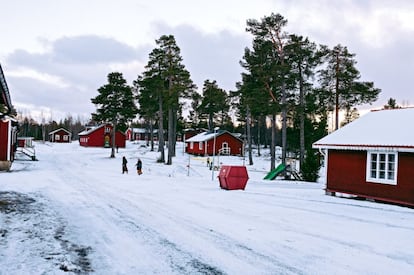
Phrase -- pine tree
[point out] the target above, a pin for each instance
(303, 58)
(144, 88)
(270, 31)
(214, 104)
(340, 80)
(170, 82)
(115, 104)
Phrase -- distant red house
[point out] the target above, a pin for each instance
(225, 144)
(8, 126)
(60, 135)
(100, 136)
(372, 157)
(135, 134)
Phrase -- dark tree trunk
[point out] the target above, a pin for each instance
(249, 135)
(161, 132)
(113, 140)
(273, 144)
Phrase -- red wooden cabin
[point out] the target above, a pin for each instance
(60, 135)
(225, 144)
(137, 134)
(372, 157)
(8, 126)
(100, 136)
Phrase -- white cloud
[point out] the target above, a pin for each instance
(43, 77)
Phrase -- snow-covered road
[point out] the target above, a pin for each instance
(74, 210)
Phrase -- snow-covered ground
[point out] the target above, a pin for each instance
(74, 211)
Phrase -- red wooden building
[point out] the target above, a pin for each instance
(60, 135)
(372, 157)
(136, 134)
(100, 136)
(8, 126)
(225, 144)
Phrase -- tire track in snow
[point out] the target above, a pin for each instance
(180, 261)
(235, 250)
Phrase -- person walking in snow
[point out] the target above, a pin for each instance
(139, 166)
(124, 165)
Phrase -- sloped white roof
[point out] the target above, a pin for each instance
(204, 136)
(383, 130)
(90, 130)
(57, 130)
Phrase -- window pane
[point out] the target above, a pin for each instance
(382, 157)
(391, 158)
(382, 174)
(373, 174)
(390, 175)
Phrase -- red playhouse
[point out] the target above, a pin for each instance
(233, 177)
(222, 142)
(372, 157)
(100, 136)
(60, 135)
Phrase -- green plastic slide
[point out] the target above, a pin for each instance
(273, 174)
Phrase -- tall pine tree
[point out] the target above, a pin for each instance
(340, 80)
(115, 104)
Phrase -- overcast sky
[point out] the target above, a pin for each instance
(56, 54)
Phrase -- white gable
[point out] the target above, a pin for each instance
(385, 129)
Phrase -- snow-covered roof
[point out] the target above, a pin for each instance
(90, 129)
(4, 91)
(57, 130)
(204, 136)
(383, 130)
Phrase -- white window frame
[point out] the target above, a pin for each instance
(384, 165)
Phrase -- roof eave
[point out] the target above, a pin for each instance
(366, 147)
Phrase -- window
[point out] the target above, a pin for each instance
(57, 137)
(382, 167)
(191, 145)
(200, 145)
(65, 137)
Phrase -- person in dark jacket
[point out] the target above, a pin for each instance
(139, 166)
(124, 165)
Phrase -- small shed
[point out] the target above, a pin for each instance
(101, 136)
(372, 157)
(233, 177)
(60, 135)
(220, 142)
